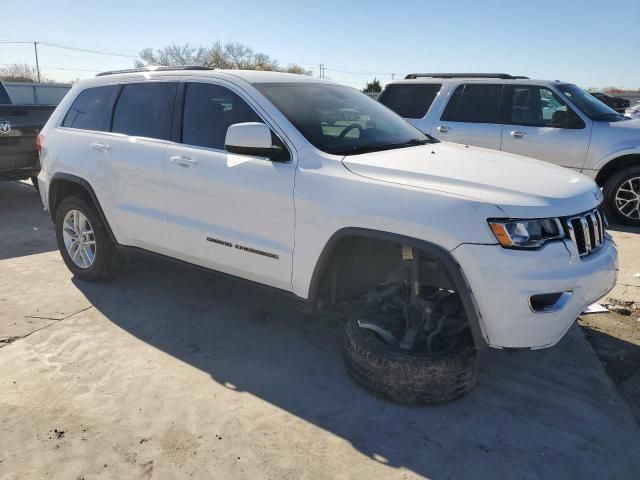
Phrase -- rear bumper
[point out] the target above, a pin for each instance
(503, 282)
(16, 166)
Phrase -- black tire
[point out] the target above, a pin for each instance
(108, 261)
(34, 180)
(409, 377)
(610, 189)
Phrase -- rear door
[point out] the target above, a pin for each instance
(542, 125)
(130, 173)
(231, 213)
(472, 116)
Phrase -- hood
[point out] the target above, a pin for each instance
(632, 126)
(522, 187)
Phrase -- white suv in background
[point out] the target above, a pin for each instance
(552, 121)
(437, 249)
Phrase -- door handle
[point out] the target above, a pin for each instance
(101, 147)
(518, 134)
(443, 129)
(184, 161)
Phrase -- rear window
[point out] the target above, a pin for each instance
(475, 103)
(410, 100)
(145, 110)
(91, 109)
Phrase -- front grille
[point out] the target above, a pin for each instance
(586, 230)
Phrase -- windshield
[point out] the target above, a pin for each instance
(590, 106)
(341, 120)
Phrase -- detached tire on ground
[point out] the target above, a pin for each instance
(94, 257)
(409, 377)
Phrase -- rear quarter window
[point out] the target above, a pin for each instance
(91, 110)
(410, 101)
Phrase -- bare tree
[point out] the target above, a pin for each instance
(173, 55)
(294, 68)
(20, 72)
(231, 55)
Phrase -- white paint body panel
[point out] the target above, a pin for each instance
(441, 193)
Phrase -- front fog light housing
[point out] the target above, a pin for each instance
(526, 233)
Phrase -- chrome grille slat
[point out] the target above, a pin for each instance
(586, 231)
(596, 229)
(600, 225)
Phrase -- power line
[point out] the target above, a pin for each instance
(77, 49)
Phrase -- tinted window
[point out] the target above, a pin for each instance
(208, 111)
(340, 120)
(4, 95)
(540, 107)
(477, 103)
(145, 110)
(410, 101)
(92, 109)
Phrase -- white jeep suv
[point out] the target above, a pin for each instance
(549, 120)
(430, 250)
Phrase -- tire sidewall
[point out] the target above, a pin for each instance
(95, 270)
(408, 377)
(611, 187)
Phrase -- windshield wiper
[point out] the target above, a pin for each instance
(376, 147)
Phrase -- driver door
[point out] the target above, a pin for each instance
(541, 125)
(231, 213)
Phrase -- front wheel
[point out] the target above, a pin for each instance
(622, 196)
(84, 242)
(407, 376)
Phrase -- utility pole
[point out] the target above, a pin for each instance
(35, 48)
(321, 70)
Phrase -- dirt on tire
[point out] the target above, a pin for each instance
(408, 377)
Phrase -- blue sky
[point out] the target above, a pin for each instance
(594, 44)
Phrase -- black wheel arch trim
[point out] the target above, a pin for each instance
(443, 255)
(67, 177)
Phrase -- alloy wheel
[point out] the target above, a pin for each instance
(79, 238)
(628, 198)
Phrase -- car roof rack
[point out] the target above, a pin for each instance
(153, 69)
(504, 76)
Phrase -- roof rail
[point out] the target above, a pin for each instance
(505, 76)
(153, 69)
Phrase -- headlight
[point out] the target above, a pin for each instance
(526, 233)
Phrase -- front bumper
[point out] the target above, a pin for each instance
(503, 281)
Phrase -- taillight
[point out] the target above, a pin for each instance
(39, 143)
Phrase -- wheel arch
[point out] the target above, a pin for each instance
(65, 184)
(328, 256)
(615, 164)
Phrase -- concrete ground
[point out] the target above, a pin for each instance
(168, 372)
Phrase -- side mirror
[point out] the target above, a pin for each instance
(253, 139)
(568, 120)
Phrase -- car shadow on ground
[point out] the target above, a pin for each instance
(23, 221)
(542, 414)
(550, 404)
